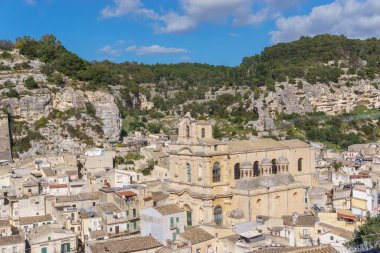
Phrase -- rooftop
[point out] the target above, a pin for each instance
(312, 249)
(168, 209)
(301, 220)
(34, 219)
(9, 240)
(125, 245)
(196, 235)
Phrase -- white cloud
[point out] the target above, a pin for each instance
(154, 49)
(126, 7)
(184, 58)
(192, 13)
(30, 2)
(108, 49)
(352, 18)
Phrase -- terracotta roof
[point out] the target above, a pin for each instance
(89, 195)
(9, 240)
(5, 223)
(34, 219)
(126, 193)
(109, 207)
(97, 233)
(55, 186)
(168, 209)
(158, 196)
(338, 231)
(64, 199)
(196, 235)
(295, 143)
(252, 145)
(302, 220)
(49, 172)
(312, 249)
(126, 245)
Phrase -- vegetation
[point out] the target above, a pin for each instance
(369, 233)
(30, 83)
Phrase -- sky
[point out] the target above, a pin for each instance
(218, 32)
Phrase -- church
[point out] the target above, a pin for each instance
(224, 183)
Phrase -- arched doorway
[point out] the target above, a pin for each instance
(218, 215)
(256, 169)
(274, 166)
(237, 171)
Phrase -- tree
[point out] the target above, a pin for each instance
(369, 233)
(336, 165)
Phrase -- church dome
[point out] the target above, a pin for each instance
(246, 165)
(265, 161)
(282, 160)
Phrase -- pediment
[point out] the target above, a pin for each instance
(185, 151)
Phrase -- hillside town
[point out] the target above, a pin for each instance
(188, 193)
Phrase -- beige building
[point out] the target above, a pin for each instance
(229, 182)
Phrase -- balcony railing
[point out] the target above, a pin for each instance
(305, 236)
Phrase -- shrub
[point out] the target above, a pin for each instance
(12, 93)
(30, 83)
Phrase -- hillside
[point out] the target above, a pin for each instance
(324, 88)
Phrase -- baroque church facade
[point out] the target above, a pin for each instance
(224, 183)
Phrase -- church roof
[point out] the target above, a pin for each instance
(252, 145)
(246, 165)
(264, 181)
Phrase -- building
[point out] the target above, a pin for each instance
(30, 222)
(209, 178)
(144, 244)
(50, 238)
(301, 229)
(12, 244)
(199, 240)
(164, 223)
(365, 199)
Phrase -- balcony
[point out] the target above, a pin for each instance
(305, 236)
(173, 226)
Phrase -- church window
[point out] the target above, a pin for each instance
(216, 172)
(188, 172)
(218, 215)
(274, 166)
(203, 133)
(300, 162)
(187, 131)
(256, 169)
(237, 171)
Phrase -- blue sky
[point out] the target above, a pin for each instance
(171, 31)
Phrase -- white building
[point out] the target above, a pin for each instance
(163, 222)
(12, 244)
(365, 200)
(50, 238)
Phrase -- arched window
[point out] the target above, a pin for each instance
(218, 215)
(237, 171)
(258, 202)
(203, 133)
(300, 162)
(274, 166)
(187, 131)
(188, 172)
(256, 169)
(216, 172)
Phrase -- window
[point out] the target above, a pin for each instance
(29, 190)
(256, 169)
(93, 203)
(3, 250)
(331, 238)
(215, 147)
(216, 172)
(49, 238)
(171, 222)
(189, 218)
(237, 171)
(174, 236)
(274, 166)
(177, 230)
(187, 131)
(14, 249)
(135, 225)
(203, 133)
(188, 172)
(218, 215)
(37, 203)
(177, 219)
(134, 212)
(44, 250)
(300, 161)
